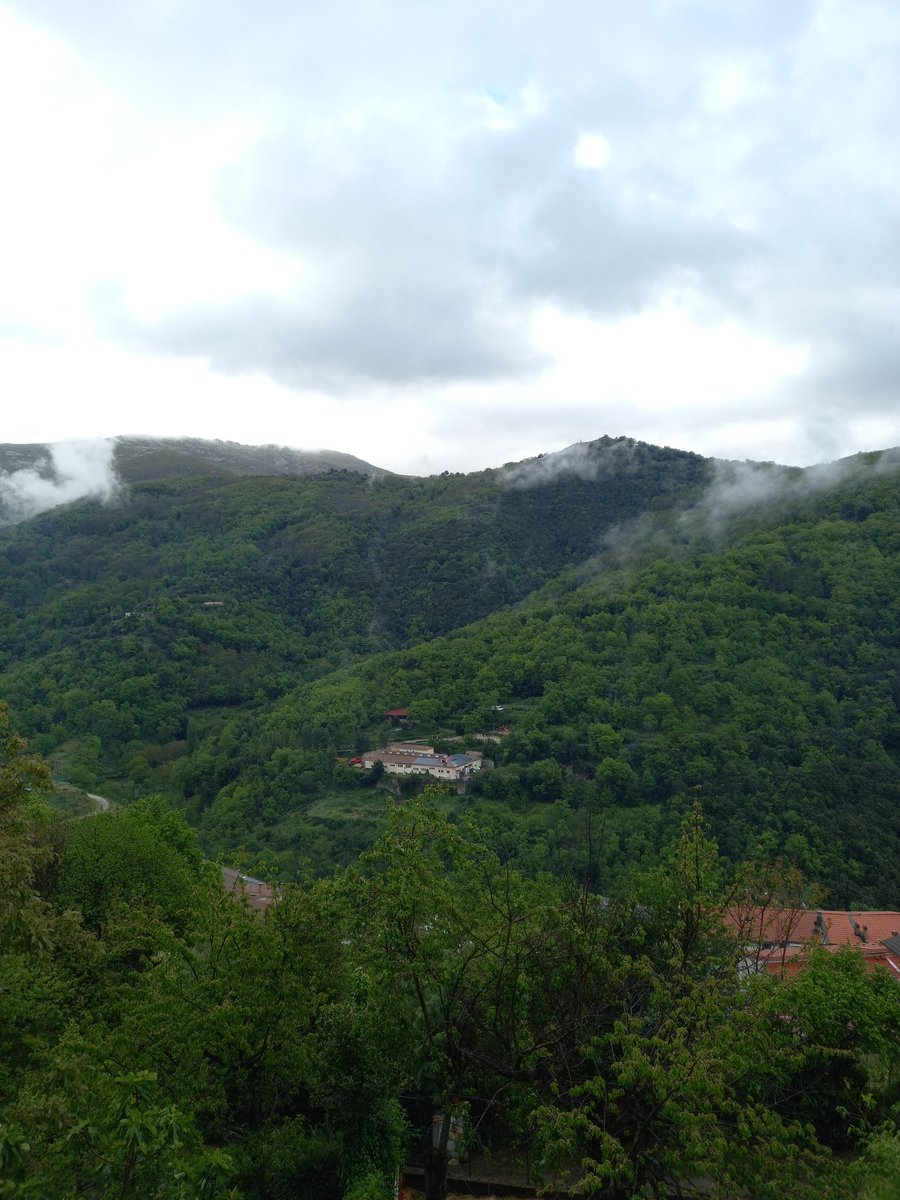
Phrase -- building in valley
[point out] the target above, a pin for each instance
(399, 758)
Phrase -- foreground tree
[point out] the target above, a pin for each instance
(672, 1093)
(623, 1026)
(450, 939)
(840, 1025)
(24, 779)
(143, 855)
(255, 1061)
(188, 1044)
(211, 1047)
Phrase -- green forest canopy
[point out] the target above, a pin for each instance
(763, 676)
(227, 641)
(208, 1049)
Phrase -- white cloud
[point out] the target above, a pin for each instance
(503, 112)
(664, 359)
(592, 151)
(72, 471)
(286, 223)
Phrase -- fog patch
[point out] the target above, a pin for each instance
(738, 488)
(758, 490)
(738, 492)
(887, 461)
(584, 460)
(68, 471)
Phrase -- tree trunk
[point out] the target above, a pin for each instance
(437, 1161)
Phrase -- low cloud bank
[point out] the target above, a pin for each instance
(740, 487)
(70, 471)
(583, 460)
(737, 491)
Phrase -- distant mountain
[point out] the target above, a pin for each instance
(754, 667)
(41, 476)
(139, 458)
(653, 622)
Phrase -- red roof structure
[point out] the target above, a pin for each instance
(788, 960)
(259, 894)
(779, 939)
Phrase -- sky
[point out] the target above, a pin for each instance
(452, 235)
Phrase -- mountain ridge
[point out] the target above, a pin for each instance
(156, 641)
(136, 458)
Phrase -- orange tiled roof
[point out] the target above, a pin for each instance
(783, 936)
(833, 927)
(258, 893)
(791, 958)
(842, 926)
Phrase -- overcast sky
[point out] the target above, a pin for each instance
(453, 234)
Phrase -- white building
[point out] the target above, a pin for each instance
(401, 759)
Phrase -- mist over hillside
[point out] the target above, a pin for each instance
(36, 477)
(653, 621)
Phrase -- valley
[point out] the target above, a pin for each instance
(497, 755)
(656, 626)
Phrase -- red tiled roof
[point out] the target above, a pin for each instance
(760, 925)
(258, 893)
(804, 925)
(780, 939)
(842, 925)
(792, 958)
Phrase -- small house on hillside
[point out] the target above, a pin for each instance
(396, 716)
(259, 894)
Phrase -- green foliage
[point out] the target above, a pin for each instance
(848, 1025)
(23, 780)
(672, 1080)
(214, 641)
(130, 623)
(145, 854)
(635, 688)
(876, 1174)
(127, 1143)
(234, 1052)
(230, 1049)
(217, 642)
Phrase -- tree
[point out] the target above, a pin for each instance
(671, 1082)
(241, 1051)
(876, 1173)
(623, 1026)
(145, 854)
(448, 936)
(122, 1140)
(841, 1074)
(24, 778)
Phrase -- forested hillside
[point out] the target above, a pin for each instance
(161, 1037)
(134, 459)
(650, 648)
(119, 621)
(763, 676)
(647, 627)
